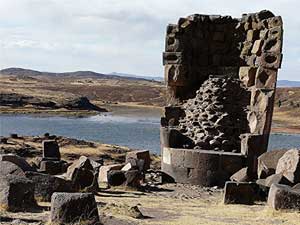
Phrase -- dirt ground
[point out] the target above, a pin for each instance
(170, 204)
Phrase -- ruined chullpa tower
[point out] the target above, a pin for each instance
(221, 77)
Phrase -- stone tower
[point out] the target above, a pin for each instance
(221, 75)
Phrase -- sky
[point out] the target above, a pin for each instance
(124, 36)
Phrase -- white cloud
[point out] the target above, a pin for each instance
(114, 35)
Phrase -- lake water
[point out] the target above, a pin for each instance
(138, 132)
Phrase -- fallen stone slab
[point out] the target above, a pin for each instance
(273, 179)
(16, 193)
(283, 197)
(46, 185)
(50, 149)
(239, 193)
(103, 172)
(19, 161)
(267, 163)
(241, 176)
(142, 155)
(289, 165)
(67, 208)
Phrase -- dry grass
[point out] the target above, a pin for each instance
(170, 211)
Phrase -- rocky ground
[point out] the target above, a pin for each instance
(154, 203)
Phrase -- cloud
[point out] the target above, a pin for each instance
(114, 35)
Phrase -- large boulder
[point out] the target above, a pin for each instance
(19, 161)
(46, 185)
(267, 163)
(239, 193)
(16, 193)
(289, 165)
(81, 173)
(140, 155)
(51, 149)
(72, 208)
(283, 197)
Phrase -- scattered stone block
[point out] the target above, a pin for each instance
(16, 193)
(273, 179)
(81, 173)
(51, 149)
(9, 168)
(144, 155)
(19, 161)
(104, 171)
(133, 178)
(116, 177)
(267, 163)
(46, 185)
(53, 167)
(239, 193)
(289, 165)
(283, 197)
(241, 175)
(67, 208)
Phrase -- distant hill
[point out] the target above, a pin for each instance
(88, 74)
(160, 79)
(288, 83)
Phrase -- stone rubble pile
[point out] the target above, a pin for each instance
(278, 184)
(70, 187)
(216, 117)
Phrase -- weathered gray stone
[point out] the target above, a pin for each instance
(289, 165)
(241, 175)
(9, 168)
(239, 193)
(19, 161)
(67, 208)
(140, 155)
(283, 197)
(273, 179)
(53, 167)
(267, 163)
(16, 193)
(104, 170)
(46, 185)
(81, 173)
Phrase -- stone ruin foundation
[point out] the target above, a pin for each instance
(221, 77)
